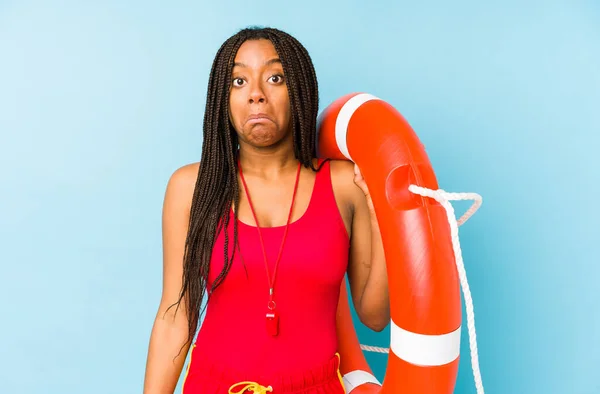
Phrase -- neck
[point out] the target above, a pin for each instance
(268, 163)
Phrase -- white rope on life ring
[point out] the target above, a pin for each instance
(444, 199)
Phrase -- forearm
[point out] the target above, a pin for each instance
(375, 303)
(166, 356)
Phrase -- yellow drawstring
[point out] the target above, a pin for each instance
(255, 387)
(339, 374)
(258, 389)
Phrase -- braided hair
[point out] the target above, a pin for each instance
(217, 185)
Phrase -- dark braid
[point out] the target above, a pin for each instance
(216, 185)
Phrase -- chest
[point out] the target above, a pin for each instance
(315, 255)
(270, 205)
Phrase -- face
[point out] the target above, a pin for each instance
(259, 106)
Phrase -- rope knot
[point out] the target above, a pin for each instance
(253, 386)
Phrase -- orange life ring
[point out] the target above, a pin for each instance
(420, 246)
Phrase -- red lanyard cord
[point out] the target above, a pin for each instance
(262, 244)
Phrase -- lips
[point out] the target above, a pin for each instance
(257, 118)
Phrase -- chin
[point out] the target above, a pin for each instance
(265, 139)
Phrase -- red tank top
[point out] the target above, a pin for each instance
(312, 267)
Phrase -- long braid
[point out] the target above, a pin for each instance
(217, 184)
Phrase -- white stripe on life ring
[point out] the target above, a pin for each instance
(424, 350)
(343, 118)
(356, 378)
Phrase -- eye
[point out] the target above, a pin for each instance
(277, 78)
(237, 82)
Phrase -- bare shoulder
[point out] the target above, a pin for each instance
(342, 179)
(180, 187)
(175, 221)
(346, 192)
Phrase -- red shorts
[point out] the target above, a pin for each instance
(323, 379)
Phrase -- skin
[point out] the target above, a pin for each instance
(267, 158)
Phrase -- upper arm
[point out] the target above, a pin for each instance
(359, 221)
(175, 222)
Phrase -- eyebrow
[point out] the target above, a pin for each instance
(267, 63)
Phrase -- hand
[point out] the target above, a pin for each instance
(360, 182)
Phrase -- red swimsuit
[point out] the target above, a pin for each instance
(233, 345)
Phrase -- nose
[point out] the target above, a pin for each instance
(257, 94)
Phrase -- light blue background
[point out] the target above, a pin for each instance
(101, 102)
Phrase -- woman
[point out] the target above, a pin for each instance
(267, 232)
